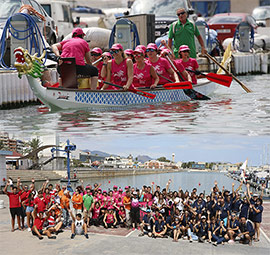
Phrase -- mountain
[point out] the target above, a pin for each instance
(142, 158)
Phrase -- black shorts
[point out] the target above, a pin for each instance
(86, 70)
(39, 230)
(15, 211)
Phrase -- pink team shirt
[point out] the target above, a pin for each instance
(190, 64)
(142, 77)
(162, 66)
(75, 47)
(119, 73)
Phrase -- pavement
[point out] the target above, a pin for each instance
(118, 241)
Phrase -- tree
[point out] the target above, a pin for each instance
(33, 145)
(163, 159)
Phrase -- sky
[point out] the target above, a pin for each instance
(206, 148)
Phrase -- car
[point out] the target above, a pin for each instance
(260, 14)
(225, 24)
(8, 8)
(164, 10)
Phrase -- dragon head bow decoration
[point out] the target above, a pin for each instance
(27, 64)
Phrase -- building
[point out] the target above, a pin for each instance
(11, 143)
(3, 169)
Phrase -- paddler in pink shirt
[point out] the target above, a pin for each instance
(144, 74)
(119, 69)
(161, 65)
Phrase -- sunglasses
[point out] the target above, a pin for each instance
(148, 50)
(185, 51)
(129, 55)
(137, 55)
(95, 54)
(114, 51)
(180, 13)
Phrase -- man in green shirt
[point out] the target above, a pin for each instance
(183, 32)
(87, 203)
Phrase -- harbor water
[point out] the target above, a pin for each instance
(230, 111)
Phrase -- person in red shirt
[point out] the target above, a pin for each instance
(28, 206)
(39, 220)
(40, 202)
(14, 204)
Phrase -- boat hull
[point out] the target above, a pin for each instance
(61, 98)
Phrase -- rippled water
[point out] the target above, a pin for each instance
(230, 111)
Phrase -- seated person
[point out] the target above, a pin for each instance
(220, 234)
(37, 228)
(159, 228)
(78, 226)
(110, 219)
(146, 225)
(176, 229)
(233, 227)
(246, 231)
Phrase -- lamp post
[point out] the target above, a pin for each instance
(68, 148)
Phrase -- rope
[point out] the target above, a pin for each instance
(32, 34)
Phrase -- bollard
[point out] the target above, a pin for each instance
(1, 204)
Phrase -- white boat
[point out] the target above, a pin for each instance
(67, 98)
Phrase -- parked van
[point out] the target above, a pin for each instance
(60, 11)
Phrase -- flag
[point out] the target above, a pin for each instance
(243, 171)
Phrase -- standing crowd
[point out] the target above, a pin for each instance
(219, 217)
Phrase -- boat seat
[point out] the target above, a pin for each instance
(68, 73)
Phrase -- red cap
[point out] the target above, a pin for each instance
(97, 50)
(139, 50)
(117, 46)
(129, 51)
(77, 31)
(152, 46)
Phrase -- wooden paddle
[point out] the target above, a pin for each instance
(193, 94)
(136, 91)
(221, 79)
(227, 72)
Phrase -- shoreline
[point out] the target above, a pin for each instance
(54, 175)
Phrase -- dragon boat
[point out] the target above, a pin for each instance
(59, 98)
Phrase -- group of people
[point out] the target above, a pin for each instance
(144, 67)
(221, 216)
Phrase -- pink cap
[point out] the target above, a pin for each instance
(77, 31)
(129, 51)
(110, 208)
(183, 48)
(152, 46)
(114, 186)
(104, 191)
(139, 50)
(99, 189)
(141, 47)
(127, 187)
(166, 50)
(97, 50)
(117, 46)
(162, 48)
(120, 190)
(108, 54)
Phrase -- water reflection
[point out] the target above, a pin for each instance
(230, 111)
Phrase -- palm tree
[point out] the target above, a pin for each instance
(33, 145)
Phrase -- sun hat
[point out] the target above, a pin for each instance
(77, 31)
(117, 46)
(183, 48)
(97, 50)
(151, 46)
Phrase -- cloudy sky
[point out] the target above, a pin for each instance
(225, 148)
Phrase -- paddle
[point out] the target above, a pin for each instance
(178, 85)
(136, 91)
(221, 79)
(193, 94)
(227, 72)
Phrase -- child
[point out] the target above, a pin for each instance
(78, 227)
